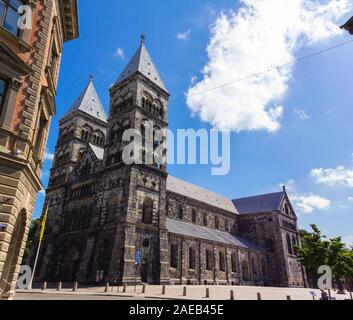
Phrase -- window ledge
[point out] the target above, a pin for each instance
(24, 47)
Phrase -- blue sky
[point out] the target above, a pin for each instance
(314, 127)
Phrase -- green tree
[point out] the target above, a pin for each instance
(31, 237)
(316, 251)
(313, 252)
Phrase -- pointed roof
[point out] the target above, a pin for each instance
(258, 204)
(142, 62)
(90, 103)
(189, 190)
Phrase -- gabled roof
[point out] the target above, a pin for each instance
(90, 103)
(194, 192)
(262, 203)
(98, 152)
(195, 231)
(141, 62)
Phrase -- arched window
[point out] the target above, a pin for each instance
(226, 225)
(245, 269)
(263, 267)
(204, 219)
(174, 254)
(286, 209)
(147, 211)
(112, 206)
(192, 258)
(289, 244)
(254, 268)
(216, 222)
(222, 265)
(234, 262)
(193, 216)
(294, 244)
(180, 213)
(209, 260)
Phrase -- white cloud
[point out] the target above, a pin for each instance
(184, 36)
(42, 192)
(193, 79)
(301, 114)
(260, 35)
(350, 199)
(290, 185)
(48, 155)
(333, 177)
(119, 53)
(309, 203)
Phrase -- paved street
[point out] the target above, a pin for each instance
(53, 296)
(175, 292)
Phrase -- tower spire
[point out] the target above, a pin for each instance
(143, 38)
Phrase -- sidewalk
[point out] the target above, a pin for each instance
(194, 293)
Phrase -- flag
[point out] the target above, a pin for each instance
(42, 225)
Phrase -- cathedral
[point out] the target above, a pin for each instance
(112, 222)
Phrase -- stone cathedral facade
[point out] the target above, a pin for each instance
(104, 215)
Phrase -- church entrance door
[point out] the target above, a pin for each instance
(143, 271)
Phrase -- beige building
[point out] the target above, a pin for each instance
(29, 67)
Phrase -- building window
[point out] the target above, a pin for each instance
(9, 15)
(294, 245)
(180, 213)
(209, 260)
(245, 269)
(286, 209)
(289, 245)
(192, 259)
(53, 61)
(3, 90)
(216, 222)
(41, 133)
(234, 262)
(204, 219)
(193, 216)
(226, 225)
(222, 265)
(270, 245)
(263, 267)
(147, 211)
(174, 250)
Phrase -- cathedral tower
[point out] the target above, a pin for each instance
(139, 100)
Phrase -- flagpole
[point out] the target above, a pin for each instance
(41, 233)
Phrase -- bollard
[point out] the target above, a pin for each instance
(163, 289)
(184, 292)
(207, 292)
(143, 289)
(74, 288)
(258, 296)
(329, 294)
(231, 295)
(60, 284)
(124, 288)
(44, 286)
(289, 298)
(106, 287)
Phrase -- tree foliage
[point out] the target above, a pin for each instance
(317, 250)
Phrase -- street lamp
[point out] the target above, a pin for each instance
(348, 26)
